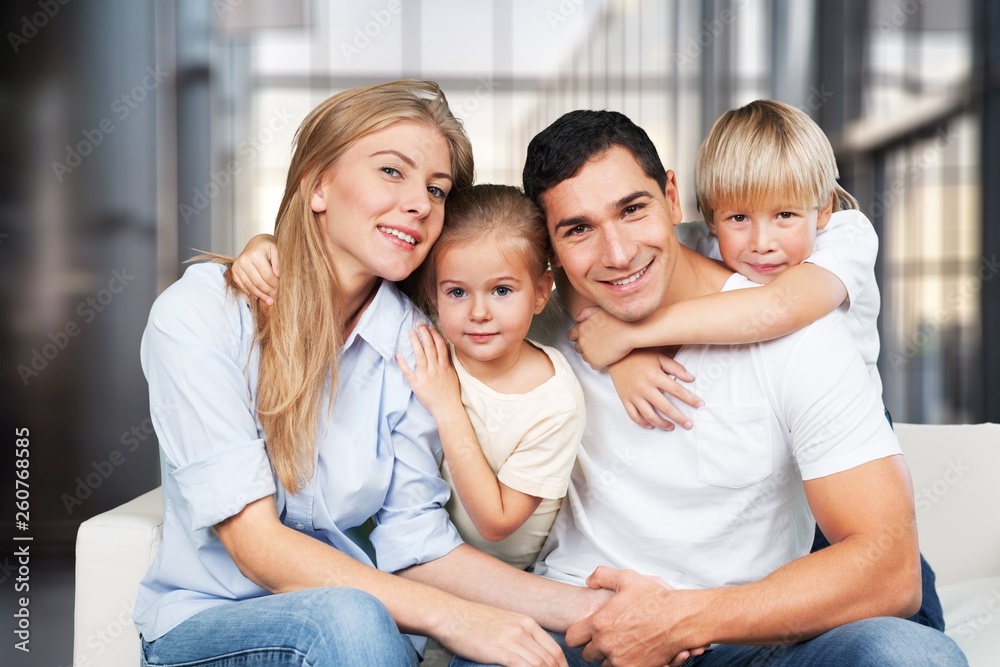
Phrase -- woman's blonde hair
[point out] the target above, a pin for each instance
(299, 336)
(764, 149)
(499, 214)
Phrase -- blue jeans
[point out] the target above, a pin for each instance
(319, 627)
(875, 642)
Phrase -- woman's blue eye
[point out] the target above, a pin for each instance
(436, 192)
(391, 171)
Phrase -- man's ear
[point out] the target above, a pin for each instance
(824, 213)
(673, 197)
(543, 290)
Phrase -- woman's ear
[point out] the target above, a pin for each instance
(824, 213)
(543, 290)
(317, 198)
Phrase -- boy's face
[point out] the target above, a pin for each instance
(762, 243)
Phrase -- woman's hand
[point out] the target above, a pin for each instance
(641, 380)
(601, 338)
(255, 271)
(493, 636)
(433, 379)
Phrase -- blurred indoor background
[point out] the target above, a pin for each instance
(136, 131)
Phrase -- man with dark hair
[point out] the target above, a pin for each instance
(722, 513)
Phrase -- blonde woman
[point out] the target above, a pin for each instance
(289, 426)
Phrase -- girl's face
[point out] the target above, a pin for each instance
(485, 302)
(761, 244)
(382, 202)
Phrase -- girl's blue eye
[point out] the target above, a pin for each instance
(456, 292)
(503, 290)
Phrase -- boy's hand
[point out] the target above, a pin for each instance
(601, 338)
(433, 380)
(641, 380)
(255, 271)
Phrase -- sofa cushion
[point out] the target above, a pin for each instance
(972, 618)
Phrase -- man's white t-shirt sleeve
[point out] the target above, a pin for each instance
(847, 247)
(828, 403)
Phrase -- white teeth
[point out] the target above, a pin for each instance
(631, 279)
(398, 234)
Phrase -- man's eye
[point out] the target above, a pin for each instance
(629, 210)
(573, 231)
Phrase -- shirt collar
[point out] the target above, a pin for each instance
(379, 325)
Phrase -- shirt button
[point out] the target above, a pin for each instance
(300, 526)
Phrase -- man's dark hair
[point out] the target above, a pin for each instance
(559, 151)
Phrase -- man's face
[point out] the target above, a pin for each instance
(612, 232)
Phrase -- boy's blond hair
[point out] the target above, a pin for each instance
(766, 149)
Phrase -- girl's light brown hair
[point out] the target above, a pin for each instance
(299, 336)
(763, 150)
(497, 214)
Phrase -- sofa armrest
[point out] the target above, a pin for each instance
(113, 552)
(955, 471)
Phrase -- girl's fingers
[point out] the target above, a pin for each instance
(419, 358)
(441, 345)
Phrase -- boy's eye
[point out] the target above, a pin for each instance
(502, 290)
(785, 215)
(739, 217)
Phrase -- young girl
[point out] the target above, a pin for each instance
(509, 411)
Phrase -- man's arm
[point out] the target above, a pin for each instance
(872, 569)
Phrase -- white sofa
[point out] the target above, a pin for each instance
(956, 481)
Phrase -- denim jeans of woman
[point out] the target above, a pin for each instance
(319, 627)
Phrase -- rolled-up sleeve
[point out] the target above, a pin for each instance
(413, 527)
(194, 354)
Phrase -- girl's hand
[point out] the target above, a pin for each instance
(433, 380)
(602, 339)
(641, 380)
(255, 271)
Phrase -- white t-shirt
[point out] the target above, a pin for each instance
(724, 503)
(530, 441)
(847, 248)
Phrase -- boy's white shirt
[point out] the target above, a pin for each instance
(847, 248)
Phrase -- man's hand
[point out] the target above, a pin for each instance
(255, 271)
(642, 379)
(641, 625)
(600, 338)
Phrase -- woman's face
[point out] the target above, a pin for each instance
(382, 202)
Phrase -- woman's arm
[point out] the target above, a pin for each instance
(496, 509)
(799, 296)
(280, 559)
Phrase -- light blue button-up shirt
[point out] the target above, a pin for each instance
(378, 454)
